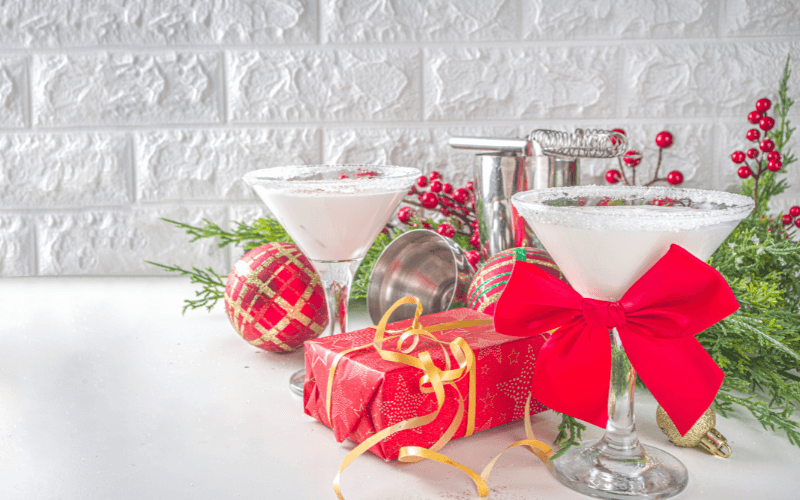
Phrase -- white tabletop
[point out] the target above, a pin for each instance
(108, 392)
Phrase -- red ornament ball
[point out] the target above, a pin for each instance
(491, 279)
(763, 104)
(752, 153)
(613, 176)
(737, 157)
(664, 139)
(632, 158)
(766, 123)
(274, 298)
(773, 155)
(767, 145)
(794, 211)
(786, 219)
(428, 200)
(446, 230)
(744, 172)
(753, 134)
(675, 177)
(774, 165)
(754, 117)
(422, 181)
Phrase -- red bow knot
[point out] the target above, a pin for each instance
(603, 314)
(656, 320)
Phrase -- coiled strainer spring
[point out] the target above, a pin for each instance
(581, 143)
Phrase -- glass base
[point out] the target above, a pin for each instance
(297, 381)
(597, 470)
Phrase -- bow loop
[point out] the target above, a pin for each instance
(603, 314)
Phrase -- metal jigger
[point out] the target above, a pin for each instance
(515, 165)
(423, 264)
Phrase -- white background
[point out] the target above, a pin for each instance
(115, 113)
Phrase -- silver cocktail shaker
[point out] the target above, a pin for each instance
(544, 159)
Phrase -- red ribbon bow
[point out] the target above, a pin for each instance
(657, 319)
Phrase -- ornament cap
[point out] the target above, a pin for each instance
(715, 443)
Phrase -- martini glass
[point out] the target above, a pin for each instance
(333, 213)
(604, 238)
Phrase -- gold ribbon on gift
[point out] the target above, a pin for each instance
(433, 379)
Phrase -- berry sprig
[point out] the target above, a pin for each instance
(792, 218)
(633, 158)
(765, 157)
(457, 206)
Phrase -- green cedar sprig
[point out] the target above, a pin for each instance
(212, 285)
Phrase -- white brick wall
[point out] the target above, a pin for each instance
(114, 113)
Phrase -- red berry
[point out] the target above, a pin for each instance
(773, 155)
(475, 240)
(752, 153)
(404, 214)
(766, 123)
(343, 176)
(753, 134)
(434, 175)
(786, 219)
(470, 185)
(774, 165)
(613, 176)
(461, 195)
(767, 145)
(797, 222)
(448, 188)
(446, 202)
(428, 200)
(737, 157)
(473, 256)
(675, 177)
(763, 104)
(744, 172)
(444, 211)
(754, 117)
(664, 139)
(632, 158)
(446, 230)
(603, 202)
(436, 187)
(426, 225)
(422, 181)
(618, 130)
(794, 211)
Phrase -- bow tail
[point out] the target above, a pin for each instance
(679, 373)
(573, 372)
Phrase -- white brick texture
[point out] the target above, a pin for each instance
(115, 113)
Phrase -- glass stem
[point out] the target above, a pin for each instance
(337, 278)
(620, 433)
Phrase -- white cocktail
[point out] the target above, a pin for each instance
(604, 239)
(333, 213)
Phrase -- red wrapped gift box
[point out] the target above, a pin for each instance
(370, 393)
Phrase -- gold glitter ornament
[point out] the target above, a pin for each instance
(702, 433)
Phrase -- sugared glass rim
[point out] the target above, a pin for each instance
(727, 208)
(282, 178)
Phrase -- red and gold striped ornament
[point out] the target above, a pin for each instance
(274, 298)
(490, 280)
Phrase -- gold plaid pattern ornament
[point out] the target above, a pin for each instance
(490, 280)
(274, 298)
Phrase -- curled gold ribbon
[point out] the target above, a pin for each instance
(433, 380)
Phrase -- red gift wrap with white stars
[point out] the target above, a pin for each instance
(370, 393)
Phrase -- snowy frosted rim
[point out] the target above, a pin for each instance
(717, 207)
(284, 179)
